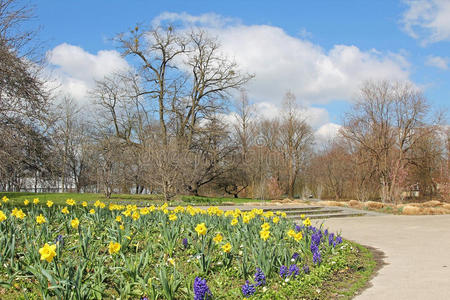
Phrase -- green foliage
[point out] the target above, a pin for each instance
(152, 260)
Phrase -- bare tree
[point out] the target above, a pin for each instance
(386, 123)
(296, 139)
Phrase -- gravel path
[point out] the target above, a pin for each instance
(416, 249)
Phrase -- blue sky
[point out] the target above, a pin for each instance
(344, 41)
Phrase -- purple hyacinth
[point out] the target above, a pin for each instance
(294, 270)
(325, 232)
(60, 240)
(248, 289)
(306, 269)
(331, 239)
(283, 271)
(260, 278)
(338, 240)
(317, 258)
(201, 289)
(315, 238)
(295, 256)
(313, 248)
(298, 228)
(144, 298)
(185, 243)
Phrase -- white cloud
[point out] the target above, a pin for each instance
(282, 62)
(327, 131)
(315, 116)
(76, 69)
(427, 20)
(210, 20)
(437, 61)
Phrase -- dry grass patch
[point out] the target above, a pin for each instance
(411, 210)
(432, 203)
(374, 205)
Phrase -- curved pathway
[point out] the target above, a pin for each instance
(416, 249)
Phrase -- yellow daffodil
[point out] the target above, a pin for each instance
(307, 222)
(5, 199)
(298, 236)
(18, 213)
(3, 217)
(173, 217)
(126, 213)
(291, 233)
(40, 219)
(264, 234)
(246, 219)
(302, 216)
(218, 238)
(265, 226)
(75, 223)
(26, 202)
(276, 220)
(171, 261)
(227, 247)
(36, 200)
(113, 247)
(100, 204)
(21, 215)
(119, 219)
(234, 222)
(92, 211)
(84, 203)
(70, 202)
(65, 210)
(122, 227)
(135, 215)
(48, 252)
(201, 229)
(49, 203)
(14, 211)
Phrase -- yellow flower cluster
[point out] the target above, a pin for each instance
(40, 219)
(18, 213)
(71, 202)
(265, 233)
(100, 204)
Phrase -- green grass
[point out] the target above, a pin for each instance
(141, 200)
(215, 200)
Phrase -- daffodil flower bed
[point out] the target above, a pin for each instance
(79, 251)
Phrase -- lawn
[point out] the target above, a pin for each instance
(81, 251)
(140, 200)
